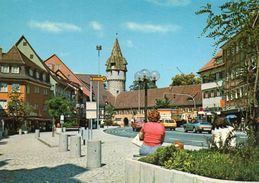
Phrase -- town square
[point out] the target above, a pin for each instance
(141, 91)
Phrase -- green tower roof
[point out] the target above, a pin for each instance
(116, 61)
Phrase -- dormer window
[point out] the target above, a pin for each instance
(24, 43)
(31, 56)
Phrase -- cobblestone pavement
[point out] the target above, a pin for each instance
(25, 159)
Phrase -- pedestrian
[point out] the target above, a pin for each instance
(152, 133)
(223, 135)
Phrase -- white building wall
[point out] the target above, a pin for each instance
(211, 102)
(116, 86)
(207, 86)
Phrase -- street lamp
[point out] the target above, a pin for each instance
(144, 76)
(98, 48)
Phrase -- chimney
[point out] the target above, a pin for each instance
(1, 53)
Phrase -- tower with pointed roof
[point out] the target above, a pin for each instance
(116, 70)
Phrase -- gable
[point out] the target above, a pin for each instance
(24, 46)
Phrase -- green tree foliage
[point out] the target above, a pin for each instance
(109, 113)
(57, 106)
(141, 85)
(163, 103)
(239, 19)
(185, 79)
(18, 109)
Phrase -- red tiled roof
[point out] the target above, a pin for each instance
(211, 64)
(135, 99)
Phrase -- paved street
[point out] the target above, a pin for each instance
(25, 159)
(190, 138)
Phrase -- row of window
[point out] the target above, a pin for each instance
(212, 94)
(236, 93)
(14, 69)
(16, 87)
(4, 104)
(213, 77)
(4, 87)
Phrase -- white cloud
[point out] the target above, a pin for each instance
(152, 28)
(170, 2)
(96, 25)
(129, 44)
(54, 26)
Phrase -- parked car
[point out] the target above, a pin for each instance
(198, 126)
(169, 123)
(136, 125)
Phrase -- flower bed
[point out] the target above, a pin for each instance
(240, 164)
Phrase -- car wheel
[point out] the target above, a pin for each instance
(174, 129)
(200, 131)
(133, 129)
(185, 130)
(171, 129)
(209, 132)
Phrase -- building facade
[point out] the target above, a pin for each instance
(213, 75)
(20, 74)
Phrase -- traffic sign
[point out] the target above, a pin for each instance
(98, 78)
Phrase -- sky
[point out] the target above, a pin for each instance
(160, 35)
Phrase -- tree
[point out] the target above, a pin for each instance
(141, 85)
(239, 18)
(163, 103)
(57, 106)
(18, 109)
(109, 113)
(185, 79)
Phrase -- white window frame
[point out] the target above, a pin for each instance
(36, 89)
(3, 87)
(5, 69)
(19, 87)
(30, 72)
(15, 69)
(37, 75)
(3, 104)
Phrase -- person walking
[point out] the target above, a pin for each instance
(152, 133)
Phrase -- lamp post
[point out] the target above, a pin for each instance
(144, 76)
(98, 48)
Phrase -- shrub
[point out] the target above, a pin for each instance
(240, 164)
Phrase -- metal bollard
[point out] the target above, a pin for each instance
(37, 133)
(63, 142)
(94, 154)
(75, 146)
(20, 131)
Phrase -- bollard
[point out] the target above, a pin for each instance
(64, 129)
(94, 153)
(75, 146)
(85, 135)
(37, 133)
(20, 131)
(5, 132)
(63, 142)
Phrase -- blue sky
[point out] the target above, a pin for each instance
(160, 35)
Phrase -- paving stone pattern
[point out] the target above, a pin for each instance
(25, 159)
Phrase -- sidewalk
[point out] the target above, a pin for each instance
(23, 158)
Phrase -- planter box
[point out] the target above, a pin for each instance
(139, 172)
